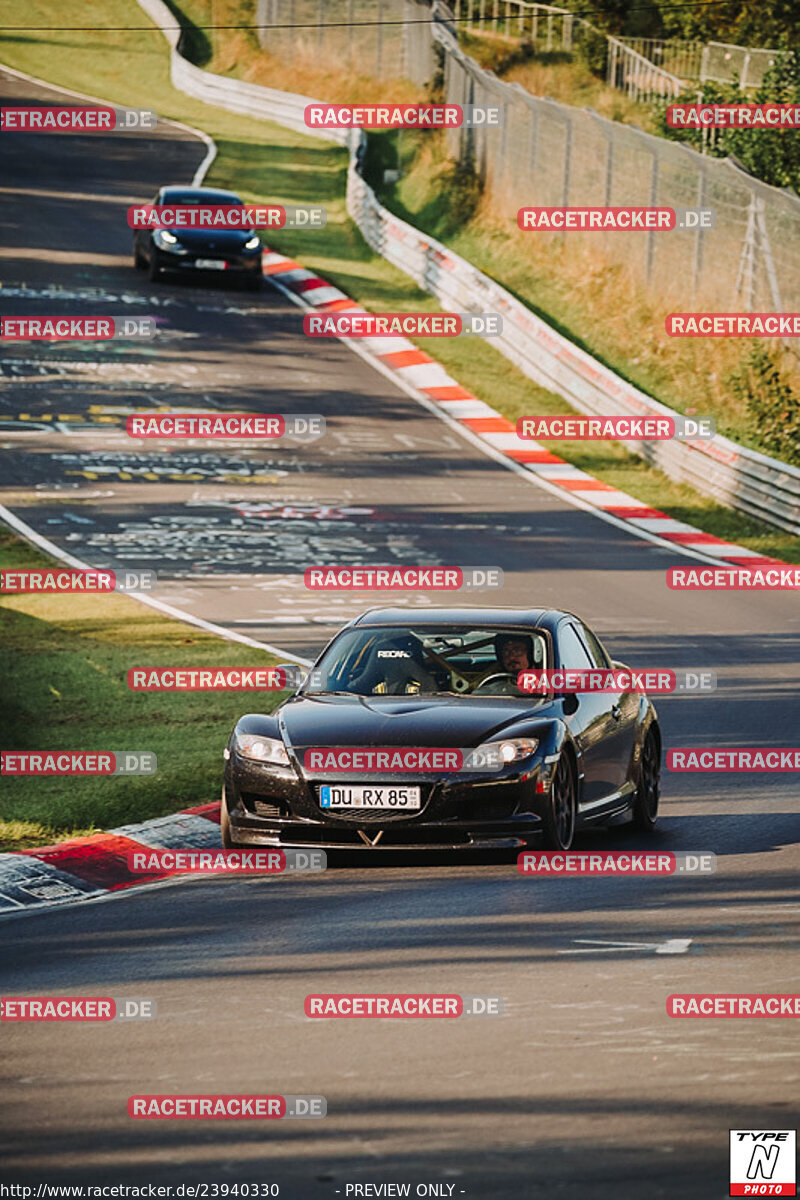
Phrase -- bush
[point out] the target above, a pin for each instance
(772, 155)
(772, 406)
(592, 48)
(461, 189)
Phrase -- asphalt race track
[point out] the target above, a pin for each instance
(584, 1087)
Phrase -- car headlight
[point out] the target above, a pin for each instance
(510, 750)
(262, 749)
(253, 243)
(163, 237)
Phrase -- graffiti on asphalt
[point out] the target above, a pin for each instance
(178, 544)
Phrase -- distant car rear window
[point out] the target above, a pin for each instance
(193, 198)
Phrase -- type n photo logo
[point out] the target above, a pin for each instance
(763, 1162)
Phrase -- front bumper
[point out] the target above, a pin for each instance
(243, 264)
(278, 808)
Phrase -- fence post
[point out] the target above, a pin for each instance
(567, 162)
(651, 234)
(379, 42)
(350, 17)
(609, 171)
(697, 264)
(745, 276)
(745, 65)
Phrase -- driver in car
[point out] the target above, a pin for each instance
(514, 652)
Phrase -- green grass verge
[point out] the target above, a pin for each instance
(64, 662)
(264, 161)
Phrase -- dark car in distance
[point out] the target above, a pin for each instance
(445, 677)
(203, 251)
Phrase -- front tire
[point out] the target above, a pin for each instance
(648, 787)
(562, 810)
(225, 827)
(154, 270)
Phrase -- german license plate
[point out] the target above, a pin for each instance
(369, 796)
(210, 264)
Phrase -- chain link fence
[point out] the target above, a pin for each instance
(553, 154)
(547, 153)
(368, 37)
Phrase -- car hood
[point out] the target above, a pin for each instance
(311, 721)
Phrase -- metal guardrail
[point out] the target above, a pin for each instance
(739, 477)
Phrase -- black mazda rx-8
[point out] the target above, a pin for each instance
(529, 766)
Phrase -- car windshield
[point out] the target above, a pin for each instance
(405, 660)
(184, 198)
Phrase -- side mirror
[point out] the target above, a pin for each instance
(294, 673)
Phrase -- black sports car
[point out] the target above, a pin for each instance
(199, 250)
(411, 678)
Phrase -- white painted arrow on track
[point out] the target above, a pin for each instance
(668, 946)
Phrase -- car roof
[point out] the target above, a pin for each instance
(511, 617)
(173, 190)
